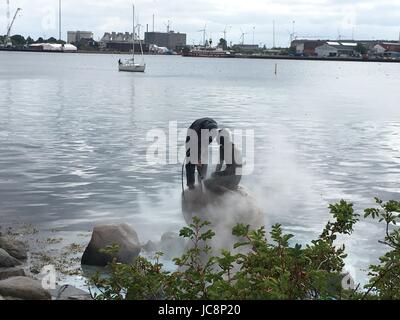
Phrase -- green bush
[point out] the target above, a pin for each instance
(260, 269)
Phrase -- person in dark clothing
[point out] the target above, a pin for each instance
(231, 157)
(195, 130)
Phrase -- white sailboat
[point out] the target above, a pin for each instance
(130, 65)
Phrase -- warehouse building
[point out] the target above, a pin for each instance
(120, 42)
(337, 49)
(170, 40)
(77, 36)
(307, 47)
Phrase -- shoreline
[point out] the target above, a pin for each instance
(334, 59)
(317, 59)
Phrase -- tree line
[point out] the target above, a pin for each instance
(20, 41)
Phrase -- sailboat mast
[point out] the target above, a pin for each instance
(134, 35)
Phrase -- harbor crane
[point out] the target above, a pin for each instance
(7, 41)
(204, 34)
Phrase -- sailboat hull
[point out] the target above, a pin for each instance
(137, 68)
(132, 68)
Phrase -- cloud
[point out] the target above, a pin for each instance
(325, 18)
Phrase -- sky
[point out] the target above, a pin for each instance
(313, 19)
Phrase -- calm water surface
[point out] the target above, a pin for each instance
(73, 139)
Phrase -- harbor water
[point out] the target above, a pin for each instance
(73, 139)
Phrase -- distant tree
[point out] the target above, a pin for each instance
(223, 44)
(18, 40)
(52, 40)
(29, 41)
(292, 50)
(49, 40)
(87, 45)
(361, 49)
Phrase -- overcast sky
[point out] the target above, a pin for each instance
(366, 19)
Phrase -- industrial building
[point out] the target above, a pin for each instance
(246, 47)
(76, 36)
(326, 48)
(386, 50)
(121, 42)
(337, 49)
(305, 47)
(387, 47)
(171, 40)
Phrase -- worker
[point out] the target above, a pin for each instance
(196, 130)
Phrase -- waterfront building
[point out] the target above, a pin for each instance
(337, 49)
(388, 46)
(307, 47)
(77, 36)
(120, 42)
(386, 50)
(171, 40)
(246, 47)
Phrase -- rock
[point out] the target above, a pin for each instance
(68, 292)
(6, 273)
(150, 247)
(1, 298)
(15, 248)
(172, 245)
(106, 235)
(23, 288)
(6, 261)
(224, 212)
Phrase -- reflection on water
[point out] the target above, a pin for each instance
(73, 138)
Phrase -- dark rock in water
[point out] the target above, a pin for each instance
(107, 235)
(6, 273)
(15, 248)
(150, 247)
(172, 245)
(23, 288)
(7, 261)
(68, 292)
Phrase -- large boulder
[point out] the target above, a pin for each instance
(150, 247)
(68, 292)
(103, 236)
(224, 211)
(23, 288)
(171, 245)
(7, 261)
(6, 273)
(15, 248)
